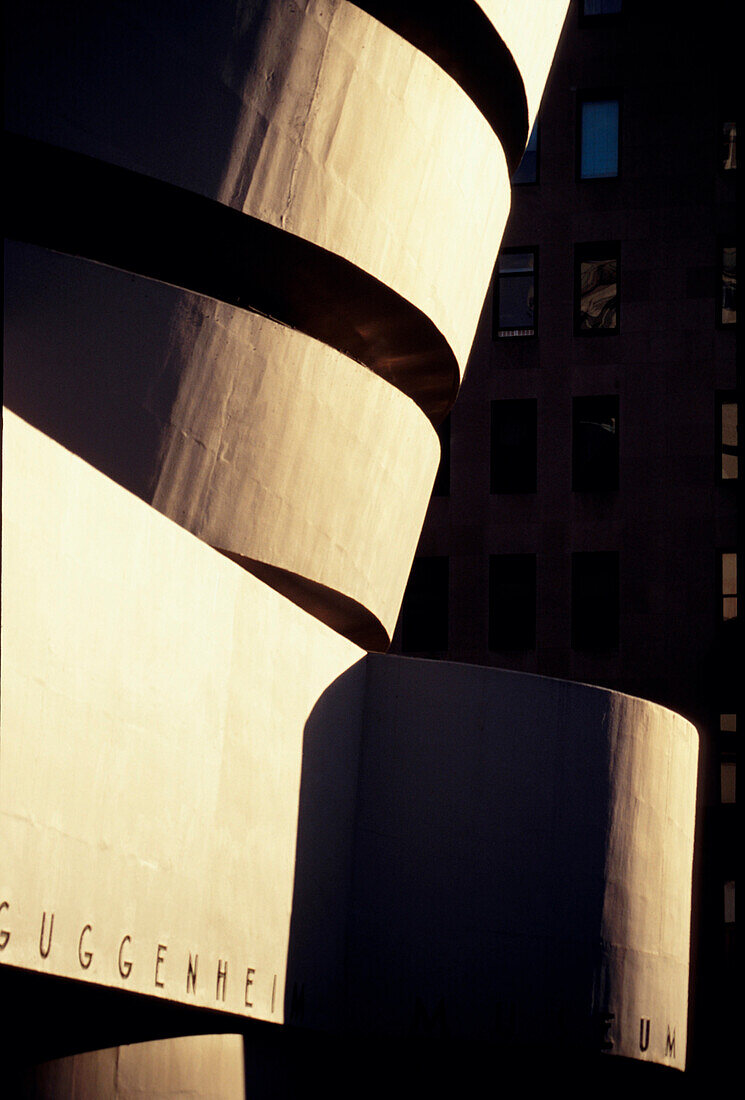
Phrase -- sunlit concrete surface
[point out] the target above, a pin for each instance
(202, 1067)
(530, 31)
(154, 698)
(254, 816)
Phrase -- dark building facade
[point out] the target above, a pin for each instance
(584, 520)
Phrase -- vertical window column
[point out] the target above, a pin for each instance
(515, 304)
(595, 600)
(595, 424)
(598, 139)
(514, 426)
(512, 601)
(424, 612)
(596, 300)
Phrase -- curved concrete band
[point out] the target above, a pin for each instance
(312, 117)
(404, 841)
(300, 464)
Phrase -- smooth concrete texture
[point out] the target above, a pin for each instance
(293, 459)
(313, 117)
(153, 700)
(522, 861)
(357, 844)
(202, 1067)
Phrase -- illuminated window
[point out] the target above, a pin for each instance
(512, 601)
(595, 600)
(729, 146)
(515, 293)
(729, 584)
(527, 169)
(596, 289)
(594, 443)
(599, 128)
(727, 429)
(513, 446)
(728, 779)
(424, 612)
(728, 286)
(441, 487)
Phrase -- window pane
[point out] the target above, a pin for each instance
(599, 150)
(515, 294)
(513, 446)
(595, 600)
(527, 169)
(598, 294)
(728, 723)
(512, 601)
(729, 286)
(424, 613)
(601, 7)
(729, 902)
(729, 146)
(595, 443)
(728, 427)
(729, 585)
(728, 781)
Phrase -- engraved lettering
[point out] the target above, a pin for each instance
(160, 958)
(670, 1043)
(42, 951)
(643, 1033)
(222, 979)
(85, 957)
(125, 965)
(249, 982)
(4, 933)
(605, 1021)
(191, 973)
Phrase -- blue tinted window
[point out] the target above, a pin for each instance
(599, 136)
(527, 169)
(601, 7)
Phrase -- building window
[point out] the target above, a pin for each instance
(729, 145)
(728, 286)
(727, 431)
(599, 8)
(595, 600)
(441, 486)
(595, 425)
(728, 574)
(424, 612)
(512, 601)
(513, 446)
(728, 769)
(596, 269)
(527, 169)
(729, 902)
(599, 128)
(515, 306)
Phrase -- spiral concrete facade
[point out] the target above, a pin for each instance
(249, 246)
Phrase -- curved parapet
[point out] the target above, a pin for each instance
(208, 798)
(314, 118)
(332, 176)
(296, 461)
